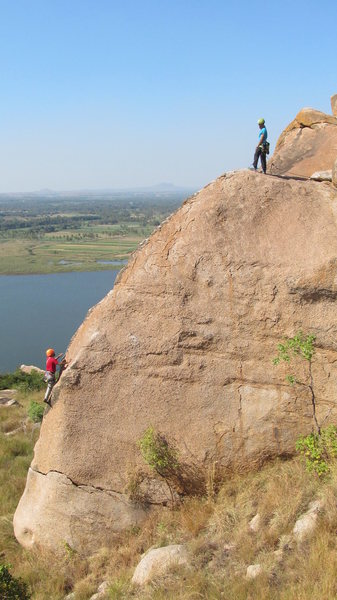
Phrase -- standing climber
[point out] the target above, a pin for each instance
(50, 374)
(262, 149)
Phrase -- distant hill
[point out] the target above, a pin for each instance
(163, 187)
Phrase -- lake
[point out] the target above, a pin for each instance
(43, 311)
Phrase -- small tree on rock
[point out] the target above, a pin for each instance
(299, 346)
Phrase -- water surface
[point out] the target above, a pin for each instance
(42, 311)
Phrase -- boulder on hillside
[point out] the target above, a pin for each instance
(307, 145)
(158, 561)
(306, 524)
(184, 343)
(29, 368)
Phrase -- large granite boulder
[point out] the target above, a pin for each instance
(307, 145)
(184, 342)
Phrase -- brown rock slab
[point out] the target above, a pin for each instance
(184, 342)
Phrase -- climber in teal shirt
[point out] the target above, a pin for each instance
(261, 148)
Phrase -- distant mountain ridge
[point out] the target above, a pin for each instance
(163, 187)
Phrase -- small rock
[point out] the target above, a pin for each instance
(306, 524)
(253, 571)
(322, 176)
(7, 398)
(158, 561)
(255, 523)
(8, 402)
(101, 592)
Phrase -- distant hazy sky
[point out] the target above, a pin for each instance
(120, 93)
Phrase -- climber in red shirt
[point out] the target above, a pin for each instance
(51, 364)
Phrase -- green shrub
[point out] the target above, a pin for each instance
(35, 411)
(299, 345)
(25, 382)
(12, 588)
(319, 449)
(157, 453)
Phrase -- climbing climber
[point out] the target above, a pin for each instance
(262, 149)
(50, 375)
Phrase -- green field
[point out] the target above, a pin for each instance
(53, 255)
(55, 235)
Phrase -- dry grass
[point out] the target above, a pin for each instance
(215, 530)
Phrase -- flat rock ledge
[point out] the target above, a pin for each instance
(59, 507)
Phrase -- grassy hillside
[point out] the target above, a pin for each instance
(215, 529)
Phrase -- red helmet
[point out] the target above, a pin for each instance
(50, 352)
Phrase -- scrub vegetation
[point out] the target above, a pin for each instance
(214, 527)
(77, 233)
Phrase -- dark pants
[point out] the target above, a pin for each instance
(260, 153)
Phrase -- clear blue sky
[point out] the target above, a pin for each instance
(120, 93)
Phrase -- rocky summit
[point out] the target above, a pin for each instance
(308, 144)
(184, 343)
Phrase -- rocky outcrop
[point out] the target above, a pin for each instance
(184, 342)
(29, 368)
(307, 145)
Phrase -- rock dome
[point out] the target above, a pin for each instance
(184, 343)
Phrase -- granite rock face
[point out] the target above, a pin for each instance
(184, 342)
(307, 145)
